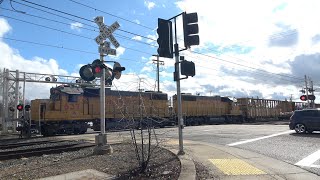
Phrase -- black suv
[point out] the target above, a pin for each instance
(307, 120)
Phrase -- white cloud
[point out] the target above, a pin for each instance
(12, 60)
(76, 26)
(4, 27)
(120, 51)
(149, 4)
(139, 38)
(136, 21)
(250, 24)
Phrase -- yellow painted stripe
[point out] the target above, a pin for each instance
(236, 167)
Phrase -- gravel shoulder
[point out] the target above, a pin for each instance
(122, 164)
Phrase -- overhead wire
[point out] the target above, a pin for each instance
(79, 17)
(138, 35)
(63, 47)
(111, 14)
(117, 35)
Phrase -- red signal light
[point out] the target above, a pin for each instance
(303, 98)
(20, 107)
(97, 69)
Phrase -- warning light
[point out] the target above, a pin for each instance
(20, 107)
(303, 98)
(97, 69)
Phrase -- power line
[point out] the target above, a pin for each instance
(82, 51)
(244, 65)
(67, 32)
(62, 47)
(110, 14)
(147, 44)
(137, 35)
(117, 35)
(79, 17)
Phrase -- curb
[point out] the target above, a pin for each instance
(188, 170)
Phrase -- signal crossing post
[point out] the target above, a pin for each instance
(104, 48)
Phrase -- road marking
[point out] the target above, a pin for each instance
(235, 167)
(309, 160)
(259, 138)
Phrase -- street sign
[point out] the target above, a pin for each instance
(107, 50)
(114, 41)
(106, 32)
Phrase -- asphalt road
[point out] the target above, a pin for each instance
(274, 141)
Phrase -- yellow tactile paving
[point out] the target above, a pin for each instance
(236, 167)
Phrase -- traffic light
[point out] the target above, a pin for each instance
(165, 40)
(27, 107)
(188, 68)
(190, 29)
(303, 98)
(20, 107)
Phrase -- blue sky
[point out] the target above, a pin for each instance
(247, 48)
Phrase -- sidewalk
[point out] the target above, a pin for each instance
(225, 162)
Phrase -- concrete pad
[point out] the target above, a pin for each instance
(88, 174)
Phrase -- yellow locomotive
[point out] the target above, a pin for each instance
(69, 109)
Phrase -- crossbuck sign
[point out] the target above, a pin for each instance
(106, 32)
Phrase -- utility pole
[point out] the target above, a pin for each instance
(306, 83)
(312, 92)
(158, 62)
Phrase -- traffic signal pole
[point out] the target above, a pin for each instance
(177, 75)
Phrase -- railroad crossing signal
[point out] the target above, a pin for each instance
(310, 97)
(106, 32)
(20, 107)
(91, 71)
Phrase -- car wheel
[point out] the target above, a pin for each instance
(300, 128)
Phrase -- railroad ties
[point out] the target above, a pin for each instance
(16, 150)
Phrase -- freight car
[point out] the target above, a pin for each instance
(215, 109)
(69, 109)
(198, 110)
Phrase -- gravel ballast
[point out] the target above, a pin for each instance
(122, 164)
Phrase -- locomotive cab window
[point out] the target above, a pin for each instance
(72, 97)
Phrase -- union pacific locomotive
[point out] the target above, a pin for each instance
(69, 109)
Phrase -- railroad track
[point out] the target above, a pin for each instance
(15, 145)
(39, 151)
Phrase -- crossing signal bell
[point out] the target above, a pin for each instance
(165, 40)
(190, 29)
(20, 107)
